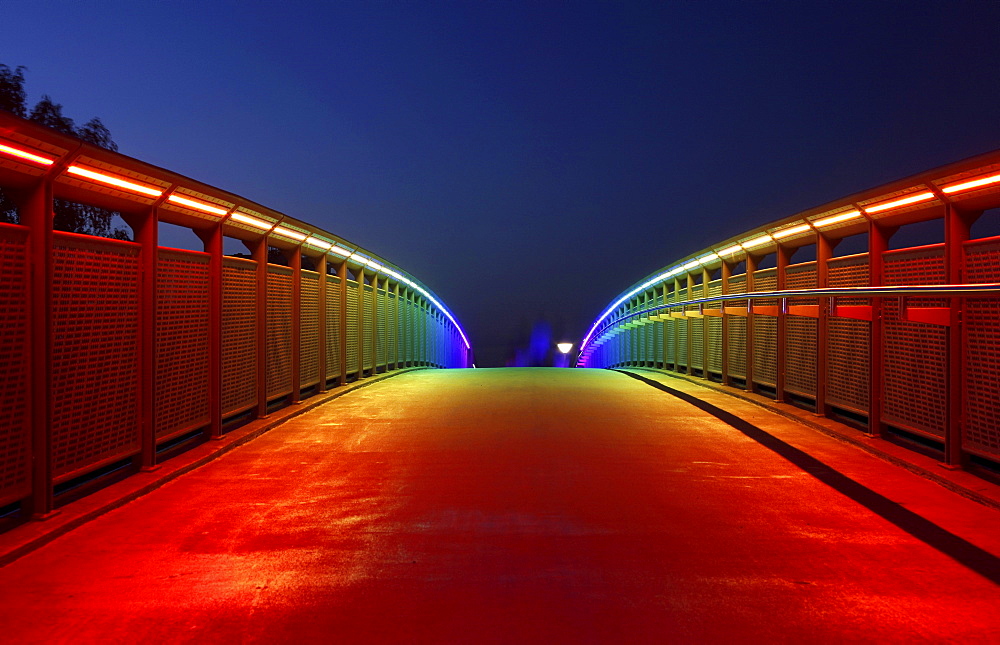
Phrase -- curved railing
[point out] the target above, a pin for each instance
(902, 342)
(113, 353)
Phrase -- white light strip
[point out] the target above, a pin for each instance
(252, 221)
(25, 155)
(112, 180)
(835, 219)
(801, 228)
(757, 241)
(196, 205)
(967, 185)
(912, 199)
(323, 245)
(295, 235)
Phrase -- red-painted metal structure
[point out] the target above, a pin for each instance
(902, 342)
(114, 351)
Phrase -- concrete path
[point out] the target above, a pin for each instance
(524, 506)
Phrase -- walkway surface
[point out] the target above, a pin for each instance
(524, 506)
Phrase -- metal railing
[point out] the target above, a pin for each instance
(115, 353)
(903, 343)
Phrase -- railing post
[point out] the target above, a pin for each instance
(296, 262)
(956, 233)
(258, 251)
(751, 268)
(321, 343)
(36, 213)
(878, 244)
(824, 252)
(145, 227)
(783, 256)
(213, 241)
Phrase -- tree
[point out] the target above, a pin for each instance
(69, 216)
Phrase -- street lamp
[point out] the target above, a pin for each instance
(562, 360)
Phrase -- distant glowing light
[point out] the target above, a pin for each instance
(836, 219)
(113, 180)
(912, 199)
(757, 241)
(801, 228)
(967, 185)
(196, 205)
(289, 233)
(25, 155)
(564, 347)
(251, 221)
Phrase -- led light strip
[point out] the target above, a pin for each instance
(251, 221)
(836, 219)
(196, 205)
(801, 228)
(906, 201)
(24, 155)
(969, 185)
(113, 180)
(757, 241)
(289, 233)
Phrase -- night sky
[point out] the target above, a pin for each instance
(526, 160)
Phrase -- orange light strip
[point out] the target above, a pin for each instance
(757, 241)
(969, 185)
(113, 180)
(197, 205)
(24, 155)
(836, 219)
(801, 228)
(295, 235)
(912, 199)
(251, 221)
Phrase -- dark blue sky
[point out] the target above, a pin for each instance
(526, 160)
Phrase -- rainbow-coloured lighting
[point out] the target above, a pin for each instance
(971, 184)
(195, 204)
(24, 155)
(836, 219)
(113, 180)
(899, 203)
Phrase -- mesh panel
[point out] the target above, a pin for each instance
(765, 349)
(411, 340)
(981, 432)
(332, 327)
(714, 345)
(801, 334)
(658, 341)
(369, 327)
(736, 330)
(352, 326)
(239, 334)
(181, 341)
(849, 341)
(278, 359)
(309, 329)
(402, 340)
(95, 352)
(670, 339)
(391, 328)
(915, 353)
(697, 329)
(382, 340)
(15, 437)
(681, 330)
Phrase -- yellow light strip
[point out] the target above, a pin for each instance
(969, 185)
(25, 155)
(113, 180)
(801, 228)
(912, 199)
(196, 205)
(835, 219)
(295, 235)
(251, 221)
(757, 241)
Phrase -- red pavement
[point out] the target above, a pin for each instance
(523, 506)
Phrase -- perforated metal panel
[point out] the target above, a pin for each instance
(15, 441)
(309, 329)
(849, 341)
(352, 326)
(714, 327)
(981, 430)
(402, 341)
(383, 335)
(369, 327)
(278, 360)
(916, 357)
(181, 393)
(736, 330)
(697, 329)
(765, 331)
(95, 353)
(332, 327)
(392, 325)
(657, 342)
(801, 334)
(239, 335)
(411, 340)
(683, 351)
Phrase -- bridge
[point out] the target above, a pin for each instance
(202, 447)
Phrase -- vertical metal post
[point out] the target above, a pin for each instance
(146, 235)
(824, 252)
(213, 241)
(956, 233)
(36, 213)
(258, 251)
(322, 340)
(878, 243)
(783, 257)
(751, 265)
(296, 262)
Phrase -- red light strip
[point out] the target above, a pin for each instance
(24, 155)
(113, 180)
(969, 185)
(906, 201)
(196, 205)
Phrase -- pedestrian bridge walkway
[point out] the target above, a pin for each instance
(519, 506)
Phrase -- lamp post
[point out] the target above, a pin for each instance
(562, 360)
